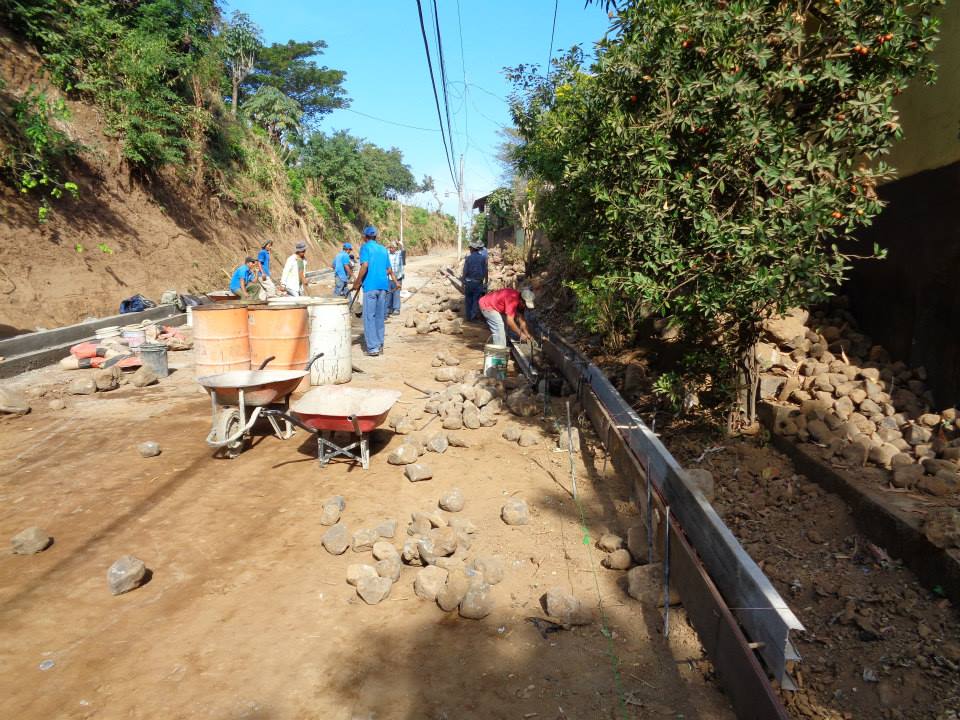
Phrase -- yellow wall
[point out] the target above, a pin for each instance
(930, 115)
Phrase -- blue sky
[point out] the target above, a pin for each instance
(379, 45)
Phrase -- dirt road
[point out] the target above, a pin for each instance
(247, 616)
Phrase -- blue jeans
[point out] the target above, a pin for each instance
(393, 302)
(341, 288)
(374, 315)
(498, 327)
(472, 292)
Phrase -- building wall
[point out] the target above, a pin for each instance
(910, 302)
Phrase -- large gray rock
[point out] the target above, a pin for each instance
(477, 603)
(337, 500)
(30, 541)
(14, 402)
(637, 545)
(460, 441)
(452, 500)
(567, 609)
(383, 550)
(336, 540)
(784, 328)
(529, 438)
(523, 403)
(389, 568)
(490, 567)
(330, 515)
(609, 542)
(148, 449)
(429, 582)
(511, 432)
(438, 543)
(449, 374)
(357, 571)
(374, 590)
(453, 421)
(438, 443)
(617, 560)
(453, 591)
(645, 583)
(515, 512)
(917, 435)
(364, 539)
(472, 418)
(126, 574)
(942, 527)
(405, 454)
(417, 472)
(144, 376)
(82, 386)
(107, 380)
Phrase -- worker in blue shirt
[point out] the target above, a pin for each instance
(474, 279)
(342, 265)
(263, 261)
(243, 282)
(377, 280)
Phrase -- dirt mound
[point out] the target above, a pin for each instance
(124, 234)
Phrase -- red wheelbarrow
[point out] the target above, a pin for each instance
(330, 409)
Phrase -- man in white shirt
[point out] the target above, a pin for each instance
(294, 277)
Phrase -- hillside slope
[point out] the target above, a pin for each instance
(121, 236)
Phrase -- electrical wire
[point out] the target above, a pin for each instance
(390, 122)
(436, 98)
(443, 83)
(463, 67)
(553, 30)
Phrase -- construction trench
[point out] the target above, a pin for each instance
(244, 612)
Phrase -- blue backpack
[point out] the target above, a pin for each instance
(137, 303)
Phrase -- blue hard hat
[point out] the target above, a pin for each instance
(347, 246)
(370, 231)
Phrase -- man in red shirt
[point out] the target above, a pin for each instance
(504, 309)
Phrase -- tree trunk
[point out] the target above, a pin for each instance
(748, 382)
(236, 95)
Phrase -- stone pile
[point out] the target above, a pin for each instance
(503, 274)
(437, 310)
(439, 544)
(836, 389)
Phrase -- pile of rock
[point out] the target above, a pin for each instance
(449, 577)
(437, 310)
(836, 389)
(503, 274)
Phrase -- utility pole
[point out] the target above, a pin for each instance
(460, 213)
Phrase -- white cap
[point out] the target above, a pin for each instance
(527, 296)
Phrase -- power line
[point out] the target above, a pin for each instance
(433, 86)
(552, 31)
(443, 81)
(390, 122)
(463, 67)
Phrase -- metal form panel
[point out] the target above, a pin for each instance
(758, 607)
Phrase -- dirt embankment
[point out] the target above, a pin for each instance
(123, 235)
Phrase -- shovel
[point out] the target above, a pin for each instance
(353, 300)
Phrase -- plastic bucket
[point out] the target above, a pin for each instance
(134, 335)
(330, 335)
(221, 340)
(281, 331)
(154, 356)
(495, 361)
(189, 322)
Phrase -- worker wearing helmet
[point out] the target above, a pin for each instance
(504, 309)
(342, 265)
(377, 279)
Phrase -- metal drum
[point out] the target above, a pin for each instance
(221, 340)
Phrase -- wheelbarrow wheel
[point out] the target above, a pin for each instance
(229, 425)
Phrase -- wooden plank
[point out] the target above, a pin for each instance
(754, 601)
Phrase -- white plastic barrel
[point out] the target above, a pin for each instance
(330, 335)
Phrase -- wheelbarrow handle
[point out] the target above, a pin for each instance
(313, 360)
(264, 363)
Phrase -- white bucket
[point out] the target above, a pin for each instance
(495, 361)
(134, 335)
(189, 316)
(330, 335)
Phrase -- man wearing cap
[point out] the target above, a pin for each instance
(342, 266)
(377, 279)
(294, 276)
(243, 281)
(396, 264)
(474, 279)
(506, 306)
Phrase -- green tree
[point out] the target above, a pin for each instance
(277, 113)
(241, 41)
(713, 164)
(288, 68)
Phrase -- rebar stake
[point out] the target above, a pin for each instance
(573, 474)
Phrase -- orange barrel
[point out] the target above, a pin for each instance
(221, 340)
(282, 331)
